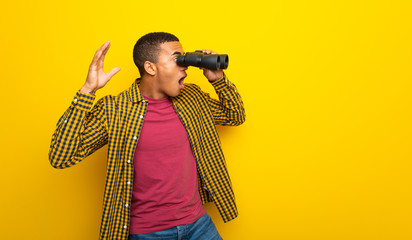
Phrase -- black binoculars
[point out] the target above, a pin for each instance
(203, 60)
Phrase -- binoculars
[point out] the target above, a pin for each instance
(202, 60)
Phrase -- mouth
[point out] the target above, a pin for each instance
(181, 86)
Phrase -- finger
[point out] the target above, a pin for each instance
(208, 51)
(98, 54)
(102, 56)
(100, 50)
(113, 72)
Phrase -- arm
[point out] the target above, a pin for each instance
(228, 110)
(81, 131)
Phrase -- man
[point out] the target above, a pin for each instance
(164, 154)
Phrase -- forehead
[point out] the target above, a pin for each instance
(171, 47)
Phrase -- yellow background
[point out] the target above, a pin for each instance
(325, 152)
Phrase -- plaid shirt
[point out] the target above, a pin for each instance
(117, 121)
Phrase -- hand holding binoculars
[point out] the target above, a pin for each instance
(203, 60)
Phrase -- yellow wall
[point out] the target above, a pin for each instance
(325, 152)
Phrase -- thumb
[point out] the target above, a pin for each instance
(113, 72)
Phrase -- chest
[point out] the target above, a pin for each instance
(162, 128)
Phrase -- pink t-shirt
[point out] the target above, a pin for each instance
(165, 187)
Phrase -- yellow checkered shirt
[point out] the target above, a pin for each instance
(117, 121)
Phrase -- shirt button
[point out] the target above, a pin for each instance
(127, 205)
(128, 161)
(141, 116)
(75, 100)
(143, 100)
(134, 137)
(65, 121)
(128, 183)
(125, 226)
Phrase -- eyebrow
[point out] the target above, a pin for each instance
(178, 53)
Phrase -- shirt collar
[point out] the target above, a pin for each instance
(134, 92)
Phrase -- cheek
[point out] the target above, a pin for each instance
(168, 74)
(167, 70)
(170, 65)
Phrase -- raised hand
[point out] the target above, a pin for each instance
(96, 77)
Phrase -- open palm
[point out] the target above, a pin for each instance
(96, 77)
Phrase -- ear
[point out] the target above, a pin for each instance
(150, 68)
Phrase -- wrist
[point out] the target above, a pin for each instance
(217, 78)
(87, 90)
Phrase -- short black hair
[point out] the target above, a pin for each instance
(147, 48)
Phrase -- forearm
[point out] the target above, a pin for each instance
(78, 133)
(229, 110)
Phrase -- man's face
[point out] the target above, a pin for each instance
(170, 76)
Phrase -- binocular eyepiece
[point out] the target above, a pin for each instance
(200, 59)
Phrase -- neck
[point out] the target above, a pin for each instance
(148, 87)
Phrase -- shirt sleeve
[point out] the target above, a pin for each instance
(79, 132)
(229, 109)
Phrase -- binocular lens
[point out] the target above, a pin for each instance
(223, 61)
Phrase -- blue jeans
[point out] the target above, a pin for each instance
(201, 229)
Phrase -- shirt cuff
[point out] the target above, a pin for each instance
(83, 101)
(220, 83)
